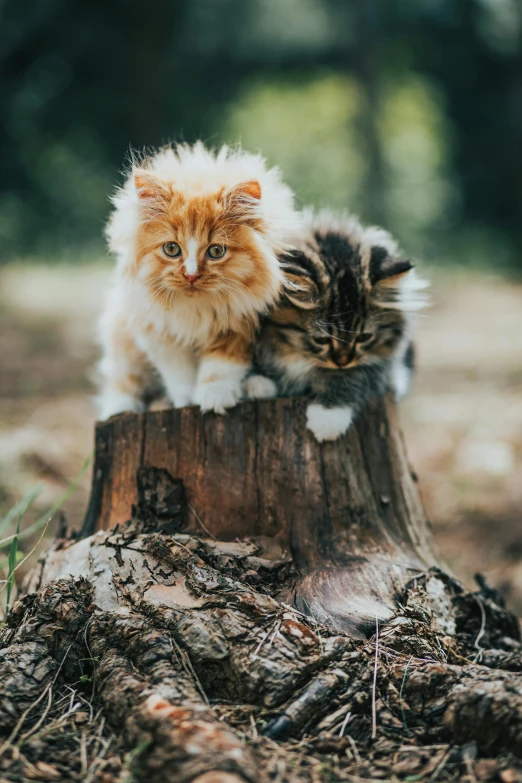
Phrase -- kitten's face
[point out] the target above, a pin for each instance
(338, 340)
(336, 309)
(204, 246)
(345, 342)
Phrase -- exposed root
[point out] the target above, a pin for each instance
(161, 662)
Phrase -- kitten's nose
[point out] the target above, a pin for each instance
(191, 278)
(342, 359)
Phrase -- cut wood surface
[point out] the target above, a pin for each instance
(345, 514)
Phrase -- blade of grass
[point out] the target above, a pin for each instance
(19, 509)
(11, 566)
(44, 522)
(48, 515)
(35, 547)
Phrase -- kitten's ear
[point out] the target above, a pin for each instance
(395, 284)
(300, 291)
(242, 201)
(385, 268)
(148, 187)
(247, 190)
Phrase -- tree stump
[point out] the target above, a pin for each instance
(208, 636)
(345, 515)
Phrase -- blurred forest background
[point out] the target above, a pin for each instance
(407, 113)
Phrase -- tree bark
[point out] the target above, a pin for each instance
(345, 516)
(158, 652)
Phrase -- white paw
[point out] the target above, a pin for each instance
(112, 402)
(258, 387)
(328, 423)
(217, 395)
(181, 397)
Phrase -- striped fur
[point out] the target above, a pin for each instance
(342, 331)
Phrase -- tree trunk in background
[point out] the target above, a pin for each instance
(366, 51)
(152, 35)
(345, 517)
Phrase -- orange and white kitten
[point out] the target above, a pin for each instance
(196, 234)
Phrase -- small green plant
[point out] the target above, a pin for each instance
(14, 518)
(19, 512)
(131, 762)
(13, 551)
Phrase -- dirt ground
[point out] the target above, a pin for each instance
(462, 422)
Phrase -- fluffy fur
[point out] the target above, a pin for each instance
(342, 330)
(197, 235)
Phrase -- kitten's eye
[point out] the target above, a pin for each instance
(216, 251)
(364, 337)
(172, 249)
(321, 340)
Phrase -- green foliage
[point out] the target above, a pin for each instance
(312, 130)
(405, 112)
(420, 188)
(309, 129)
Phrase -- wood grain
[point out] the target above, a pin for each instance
(348, 512)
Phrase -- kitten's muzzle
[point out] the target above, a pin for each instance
(343, 358)
(191, 278)
(330, 364)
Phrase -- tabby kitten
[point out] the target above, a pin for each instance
(342, 331)
(196, 234)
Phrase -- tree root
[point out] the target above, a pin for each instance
(169, 658)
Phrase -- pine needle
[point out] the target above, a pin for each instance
(374, 688)
(401, 702)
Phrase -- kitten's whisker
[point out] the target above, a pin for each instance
(344, 312)
(325, 332)
(249, 306)
(224, 234)
(332, 323)
(251, 310)
(340, 339)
